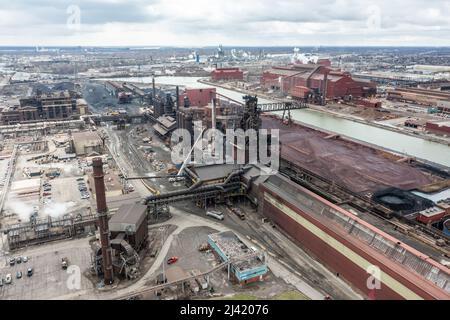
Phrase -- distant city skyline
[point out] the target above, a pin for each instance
(199, 23)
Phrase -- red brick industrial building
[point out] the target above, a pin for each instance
(227, 74)
(198, 97)
(301, 80)
(441, 127)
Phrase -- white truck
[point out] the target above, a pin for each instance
(215, 214)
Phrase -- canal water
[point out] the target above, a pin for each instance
(402, 143)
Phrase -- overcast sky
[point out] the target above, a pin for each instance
(227, 22)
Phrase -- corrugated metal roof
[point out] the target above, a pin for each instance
(128, 215)
(214, 172)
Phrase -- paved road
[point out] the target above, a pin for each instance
(185, 220)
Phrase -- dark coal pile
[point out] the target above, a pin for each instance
(401, 201)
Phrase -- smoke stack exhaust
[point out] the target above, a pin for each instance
(102, 213)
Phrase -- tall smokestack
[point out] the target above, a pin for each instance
(178, 97)
(325, 87)
(102, 211)
(213, 113)
(153, 87)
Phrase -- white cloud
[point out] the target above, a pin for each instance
(231, 22)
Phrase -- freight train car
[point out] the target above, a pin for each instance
(377, 264)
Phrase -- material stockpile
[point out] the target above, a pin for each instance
(359, 168)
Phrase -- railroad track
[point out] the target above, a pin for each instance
(339, 194)
(11, 170)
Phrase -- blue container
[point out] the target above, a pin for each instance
(446, 229)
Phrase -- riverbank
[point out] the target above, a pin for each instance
(399, 142)
(324, 110)
(400, 155)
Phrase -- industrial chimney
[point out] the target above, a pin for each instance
(325, 87)
(102, 213)
(153, 87)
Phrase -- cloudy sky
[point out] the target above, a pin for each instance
(227, 22)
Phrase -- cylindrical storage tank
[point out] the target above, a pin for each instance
(446, 228)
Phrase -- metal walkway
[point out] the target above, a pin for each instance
(200, 193)
(282, 106)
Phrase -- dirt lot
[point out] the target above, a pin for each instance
(185, 247)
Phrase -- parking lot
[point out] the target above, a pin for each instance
(49, 279)
(65, 191)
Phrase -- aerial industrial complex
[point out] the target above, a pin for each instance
(89, 179)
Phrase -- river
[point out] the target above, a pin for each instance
(398, 142)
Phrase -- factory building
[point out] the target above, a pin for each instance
(227, 113)
(164, 125)
(128, 235)
(429, 98)
(47, 106)
(303, 79)
(197, 97)
(86, 142)
(187, 116)
(131, 221)
(324, 62)
(369, 103)
(350, 246)
(221, 74)
(440, 127)
(431, 215)
(227, 246)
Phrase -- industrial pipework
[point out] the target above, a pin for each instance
(102, 213)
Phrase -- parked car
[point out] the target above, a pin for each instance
(8, 278)
(172, 260)
(25, 259)
(19, 274)
(19, 260)
(30, 272)
(80, 179)
(47, 194)
(238, 212)
(64, 263)
(12, 261)
(1, 282)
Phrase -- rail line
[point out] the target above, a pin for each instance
(340, 194)
(12, 164)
